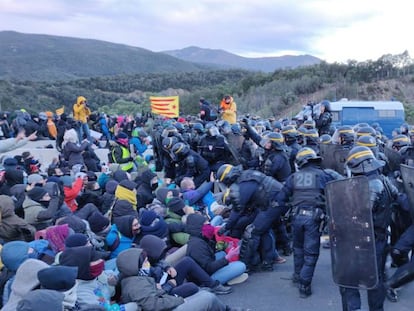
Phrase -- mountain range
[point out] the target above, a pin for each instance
(47, 58)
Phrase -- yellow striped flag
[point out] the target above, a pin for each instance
(167, 106)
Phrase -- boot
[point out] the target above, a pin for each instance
(267, 266)
(295, 279)
(304, 291)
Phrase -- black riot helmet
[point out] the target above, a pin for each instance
(169, 142)
(169, 131)
(361, 160)
(276, 139)
(306, 155)
(228, 174)
(179, 151)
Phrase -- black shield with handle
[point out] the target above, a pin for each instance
(351, 233)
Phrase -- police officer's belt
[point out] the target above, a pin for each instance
(306, 211)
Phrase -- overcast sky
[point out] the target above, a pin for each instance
(334, 30)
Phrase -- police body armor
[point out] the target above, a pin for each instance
(267, 189)
(269, 158)
(212, 148)
(307, 188)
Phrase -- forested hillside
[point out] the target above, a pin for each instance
(281, 93)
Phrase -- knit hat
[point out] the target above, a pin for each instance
(25, 155)
(153, 246)
(34, 179)
(10, 163)
(98, 222)
(37, 193)
(147, 217)
(176, 205)
(120, 175)
(41, 299)
(110, 186)
(126, 183)
(60, 278)
(91, 176)
(67, 180)
(75, 240)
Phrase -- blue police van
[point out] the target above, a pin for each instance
(388, 114)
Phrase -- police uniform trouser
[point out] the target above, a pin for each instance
(351, 299)
(306, 244)
(261, 236)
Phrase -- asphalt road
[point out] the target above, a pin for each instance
(272, 291)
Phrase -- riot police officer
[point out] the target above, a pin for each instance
(323, 123)
(251, 189)
(189, 164)
(213, 147)
(361, 161)
(305, 189)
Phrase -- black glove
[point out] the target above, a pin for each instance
(222, 230)
(130, 159)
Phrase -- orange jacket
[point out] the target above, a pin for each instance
(71, 194)
(229, 111)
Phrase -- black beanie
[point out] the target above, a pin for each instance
(98, 222)
(37, 193)
(176, 205)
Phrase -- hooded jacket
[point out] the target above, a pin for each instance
(141, 289)
(25, 281)
(144, 191)
(199, 248)
(120, 237)
(12, 227)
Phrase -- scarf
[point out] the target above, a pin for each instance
(122, 193)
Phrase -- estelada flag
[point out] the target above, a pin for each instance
(167, 106)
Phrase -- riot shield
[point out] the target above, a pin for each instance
(334, 157)
(407, 174)
(351, 233)
(394, 158)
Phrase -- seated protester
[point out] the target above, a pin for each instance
(18, 192)
(147, 183)
(72, 149)
(12, 227)
(40, 207)
(108, 198)
(185, 269)
(176, 216)
(100, 227)
(142, 290)
(71, 191)
(36, 180)
(202, 246)
(24, 282)
(122, 208)
(55, 184)
(165, 194)
(92, 184)
(56, 236)
(139, 141)
(91, 161)
(153, 224)
(11, 177)
(31, 165)
(75, 223)
(61, 279)
(122, 234)
(80, 239)
(93, 285)
(202, 199)
(126, 190)
(13, 254)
